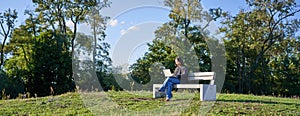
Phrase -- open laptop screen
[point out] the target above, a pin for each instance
(167, 72)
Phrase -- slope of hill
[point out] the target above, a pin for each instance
(138, 103)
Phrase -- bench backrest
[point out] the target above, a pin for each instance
(196, 76)
(203, 76)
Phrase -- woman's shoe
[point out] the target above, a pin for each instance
(167, 99)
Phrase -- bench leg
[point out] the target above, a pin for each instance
(207, 92)
(154, 91)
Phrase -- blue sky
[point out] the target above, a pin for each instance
(132, 23)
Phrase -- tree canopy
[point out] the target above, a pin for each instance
(44, 56)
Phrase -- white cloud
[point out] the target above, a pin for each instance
(123, 22)
(70, 24)
(123, 32)
(113, 22)
(132, 28)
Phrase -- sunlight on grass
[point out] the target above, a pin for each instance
(136, 103)
(142, 103)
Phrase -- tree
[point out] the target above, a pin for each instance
(88, 73)
(83, 65)
(100, 47)
(101, 59)
(41, 50)
(185, 36)
(10, 87)
(158, 53)
(49, 68)
(7, 24)
(97, 49)
(284, 67)
(40, 56)
(19, 47)
(252, 36)
(62, 11)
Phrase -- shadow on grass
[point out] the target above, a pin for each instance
(260, 101)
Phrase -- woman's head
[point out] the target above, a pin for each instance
(179, 61)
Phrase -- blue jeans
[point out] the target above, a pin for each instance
(167, 86)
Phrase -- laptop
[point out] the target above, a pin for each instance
(167, 72)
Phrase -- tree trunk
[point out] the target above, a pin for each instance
(95, 44)
(3, 43)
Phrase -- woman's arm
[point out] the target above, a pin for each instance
(176, 72)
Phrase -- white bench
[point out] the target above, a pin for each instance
(207, 91)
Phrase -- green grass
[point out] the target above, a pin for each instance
(67, 104)
(142, 103)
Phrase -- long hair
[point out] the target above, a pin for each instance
(180, 61)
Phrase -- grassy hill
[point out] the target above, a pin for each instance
(142, 103)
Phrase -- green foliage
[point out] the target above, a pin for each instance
(52, 65)
(61, 11)
(258, 39)
(159, 53)
(10, 87)
(183, 36)
(108, 82)
(284, 66)
(262, 50)
(7, 24)
(41, 50)
(89, 72)
(40, 60)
